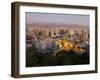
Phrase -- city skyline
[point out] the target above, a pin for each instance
(57, 39)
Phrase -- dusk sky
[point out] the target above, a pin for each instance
(32, 17)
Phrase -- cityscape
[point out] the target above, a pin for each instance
(49, 44)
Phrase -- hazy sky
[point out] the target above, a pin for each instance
(32, 17)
